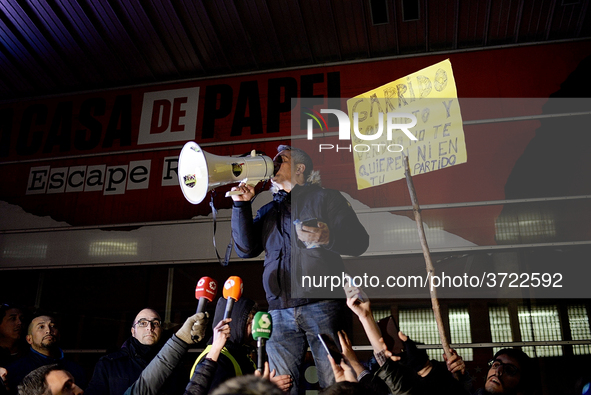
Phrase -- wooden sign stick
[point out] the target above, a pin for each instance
(430, 270)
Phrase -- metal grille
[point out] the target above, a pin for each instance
(380, 313)
(500, 325)
(459, 326)
(540, 323)
(579, 328)
(420, 326)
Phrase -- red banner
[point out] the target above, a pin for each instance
(110, 157)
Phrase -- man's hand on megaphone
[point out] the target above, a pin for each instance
(247, 193)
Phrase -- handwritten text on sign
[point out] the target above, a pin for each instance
(430, 96)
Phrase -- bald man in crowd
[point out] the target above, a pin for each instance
(43, 336)
(114, 373)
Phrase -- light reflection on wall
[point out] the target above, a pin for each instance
(113, 248)
(25, 251)
(434, 234)
(528, 226)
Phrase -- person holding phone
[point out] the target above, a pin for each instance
(303, 232)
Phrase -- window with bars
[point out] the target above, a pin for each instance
(459, 327)
(420, 325)
(579, 328)
(540, 323)
(500, 325)
(380, 312)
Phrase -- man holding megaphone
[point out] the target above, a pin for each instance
(325, 227)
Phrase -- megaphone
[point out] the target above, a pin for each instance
(199, 172)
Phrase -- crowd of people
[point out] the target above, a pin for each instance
(304, 230)
(144, 366)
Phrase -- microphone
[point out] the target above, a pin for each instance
(205, 291)
(262, 326)
(232, 291)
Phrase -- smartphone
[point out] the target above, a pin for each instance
(350, 289)
(312, 222)
(390, 329)
(330, 347)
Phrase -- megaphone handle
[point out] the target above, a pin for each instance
(246, 181)
(233, 193)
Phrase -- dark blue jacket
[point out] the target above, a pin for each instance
(33, 360)
(271, 232)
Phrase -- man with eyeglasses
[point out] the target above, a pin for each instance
(510, 372)
(114, 373)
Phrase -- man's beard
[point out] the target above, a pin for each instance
(48, 344)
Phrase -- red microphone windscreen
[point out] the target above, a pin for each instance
(233, 288)
(206, 288)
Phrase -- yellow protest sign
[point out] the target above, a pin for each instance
(383, 127)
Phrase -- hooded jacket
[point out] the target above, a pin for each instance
(287, 260)
(209, 374)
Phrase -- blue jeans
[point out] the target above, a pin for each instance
(297, 327)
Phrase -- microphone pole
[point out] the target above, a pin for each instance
(262, 326)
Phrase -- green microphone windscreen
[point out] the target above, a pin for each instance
(262, 326)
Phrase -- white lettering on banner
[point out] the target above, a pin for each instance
(169, 115)
(169, 171)
(112, 180)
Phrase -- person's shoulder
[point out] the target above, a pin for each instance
(122, 354)
(331, 195)
(319, 189)
(265, 209)
(29, 359)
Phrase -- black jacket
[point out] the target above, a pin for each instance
(400, 379)
(116, 372)
(271, 232)
(202, 377)
(160, 368)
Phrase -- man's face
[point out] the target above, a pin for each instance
(61, 382)
(147, 327)
(43, 334)
(282, 177)
(12, 324)
(504, 376)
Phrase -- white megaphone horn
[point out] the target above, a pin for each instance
(200, 172)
